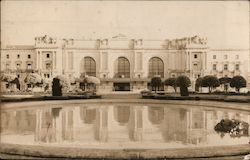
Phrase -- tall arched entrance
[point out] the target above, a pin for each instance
(89, 66)
(156, 68)
(122, 74)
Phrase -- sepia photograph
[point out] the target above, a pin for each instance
(109, 79)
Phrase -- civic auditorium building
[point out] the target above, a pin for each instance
(124, 64)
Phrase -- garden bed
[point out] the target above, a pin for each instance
(245, 99)
(42, 98)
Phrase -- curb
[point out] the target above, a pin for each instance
(65, 152)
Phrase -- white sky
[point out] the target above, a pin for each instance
(225, 24)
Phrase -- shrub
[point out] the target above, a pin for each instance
(33, 79)
(211, 82)
(10, 79)
(238, 82)
(64, 81)
(234, 127)
(171, 82)
(56, 87)
(183, 82)
(17, 82)
(155, 83)
(7, 77)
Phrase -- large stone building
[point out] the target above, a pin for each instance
(122, 63)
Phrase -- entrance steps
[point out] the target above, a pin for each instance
(121, 95)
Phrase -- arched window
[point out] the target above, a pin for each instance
(90, 66)
(156, 67)
(123, 68)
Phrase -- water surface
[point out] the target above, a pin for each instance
(119, 126)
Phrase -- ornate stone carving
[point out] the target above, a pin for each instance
(182, 43)
(45, 40)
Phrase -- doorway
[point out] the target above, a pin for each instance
(122, 86)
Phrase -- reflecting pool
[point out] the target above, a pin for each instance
(119, 126)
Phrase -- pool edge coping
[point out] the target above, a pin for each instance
(203, 103)
(66, 152)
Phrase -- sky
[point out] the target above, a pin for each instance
(224, 23)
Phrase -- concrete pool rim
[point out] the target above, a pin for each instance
(69, 152)
(66, 152)
(208, 104)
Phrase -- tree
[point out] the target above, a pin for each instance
(56, 87)
(17, 82)
(34, 79)
(183, 82)
(155, 82)
(198, 84)
(238, 82)
(211, 82)
(10, 79)
(171, 82)
(225, 82)
(87, 81)
(7, 77)
(64, 81)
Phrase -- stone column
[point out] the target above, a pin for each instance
(54, 60)
(203, 62)
(37, 60)
(66, 62)
(41, 61)
(187, 60)
(101, 61)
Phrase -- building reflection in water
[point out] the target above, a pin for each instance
(119, 123)
(18, 122)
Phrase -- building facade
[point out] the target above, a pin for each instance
(122, 63)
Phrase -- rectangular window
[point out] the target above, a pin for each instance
(214, 56)
(195, 67)
(47, 55)
(214, 67)
(225, 56)
(18, 65)
(7, 66)
(29, 66)
(29, 56)
(225, 67)
(237, 56)
(18, 56)
(237, 67)
(48, 66)
(7, 56)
